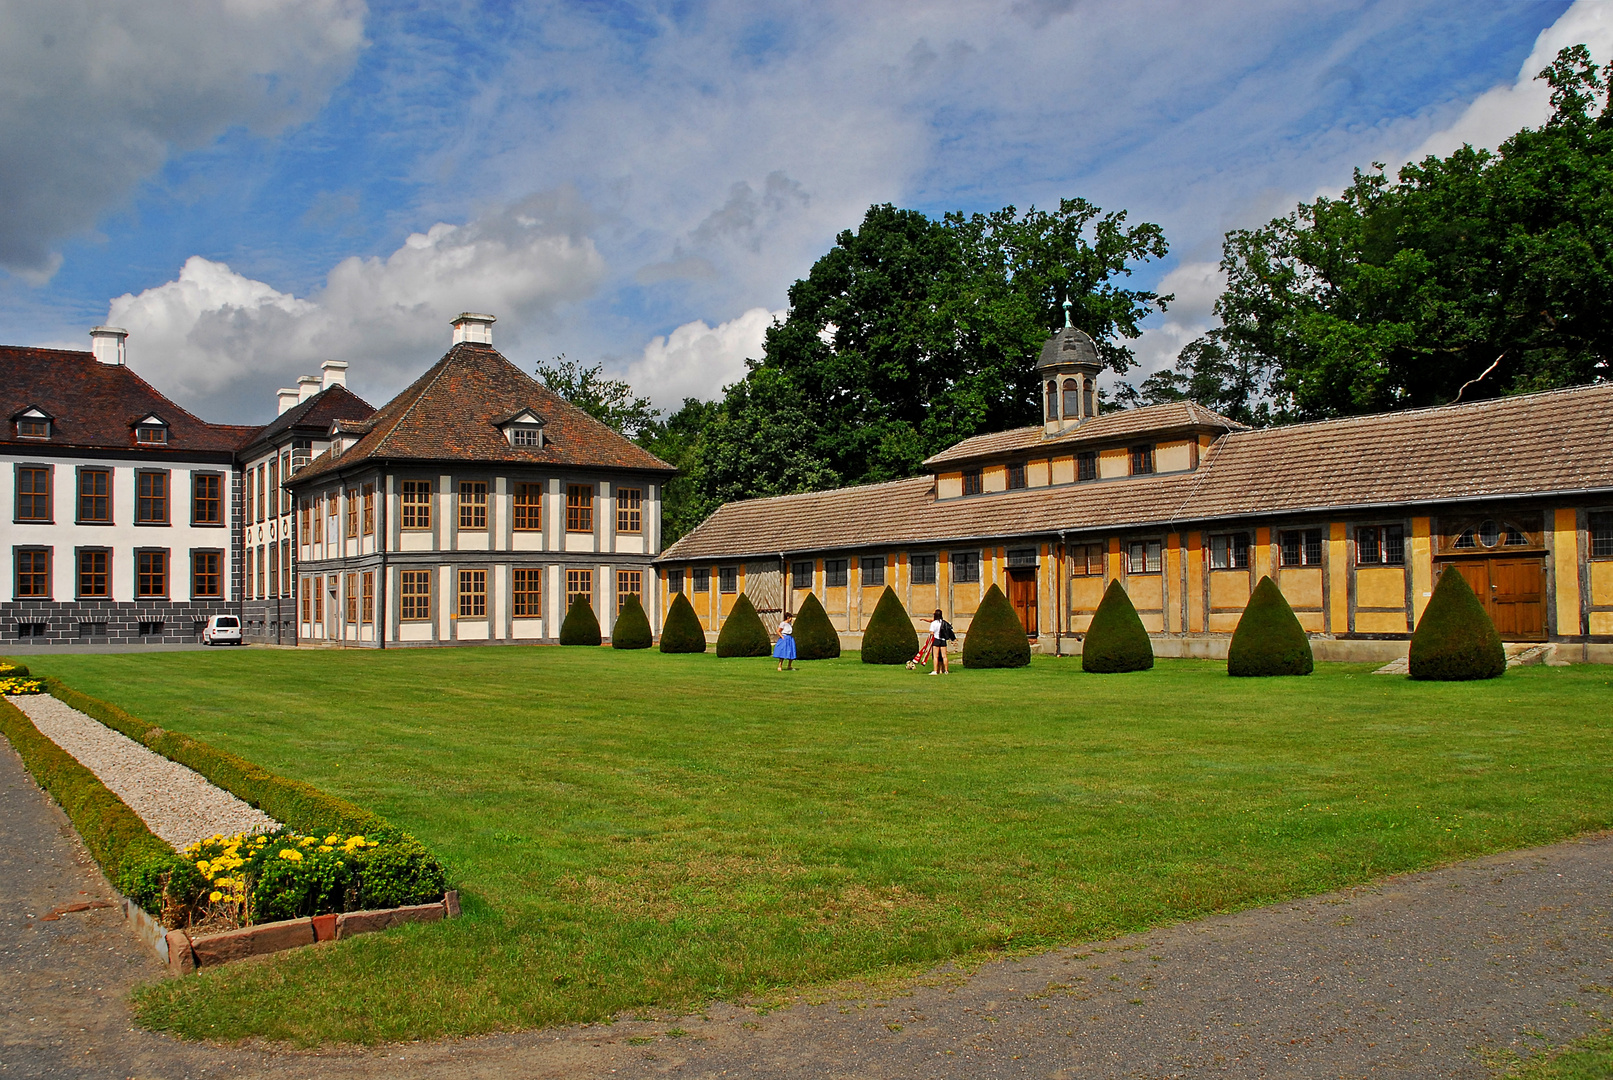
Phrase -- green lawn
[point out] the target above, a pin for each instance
(632, 829)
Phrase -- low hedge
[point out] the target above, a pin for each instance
(299, 805)
(134, 859)
(815, 636)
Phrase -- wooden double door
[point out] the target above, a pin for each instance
(1513, 592)
(1022, 594)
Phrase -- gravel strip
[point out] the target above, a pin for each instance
(176, 803)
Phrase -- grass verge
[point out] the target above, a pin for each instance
(639, 829)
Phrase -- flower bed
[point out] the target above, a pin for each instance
(332, 863)
(226, 882)
(12, 684)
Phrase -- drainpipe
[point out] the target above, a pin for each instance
(784, 582)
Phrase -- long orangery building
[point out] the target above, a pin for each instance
(1354, 519)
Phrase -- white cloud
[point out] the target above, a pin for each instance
(96, 94)
(220, 342)
(1196, 287)
(697, 360)
(1526, 102)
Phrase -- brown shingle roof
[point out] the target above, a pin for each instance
(1558, 441)
(1170, 417)
(95, 406)
(451, 413)
(317, 412)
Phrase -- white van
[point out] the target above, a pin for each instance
(222, 630)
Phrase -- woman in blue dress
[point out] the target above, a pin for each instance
(784, 651)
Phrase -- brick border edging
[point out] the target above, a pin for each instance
(184, 954)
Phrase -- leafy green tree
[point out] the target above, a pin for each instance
(610, 401)
(912, 333)
(677, 440)
(1468, 276)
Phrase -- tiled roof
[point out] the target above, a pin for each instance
(451, 413)
(1174, 416)
(1560, 441)
(317, 412)
(95, 406)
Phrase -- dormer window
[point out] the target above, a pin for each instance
(33, 424)
(151, 431)
(524, 429)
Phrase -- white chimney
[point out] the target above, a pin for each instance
(108, 344)
(473, 328)
(307, 386)
(287, 397)
(335, 372)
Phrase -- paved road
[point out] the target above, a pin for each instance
(1416, 976)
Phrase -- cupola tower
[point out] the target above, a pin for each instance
(1069, 372)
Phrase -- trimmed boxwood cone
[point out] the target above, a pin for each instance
(632, 629)
(1455, 639)
(1116, 640)
(996, 637)
(1269, 639)
(889, 637)
(682, 632)
(742, 632)
(580, 627)
(815, 637)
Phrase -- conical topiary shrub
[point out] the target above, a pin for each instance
(742, 633)
(632, 629)
(682, 632)
(889, 637)
(815, 636)
(996, 637)
(1269, 639)
(1455, 639)
(580, 627)
(1116, 640)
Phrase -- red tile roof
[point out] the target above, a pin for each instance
(452, 412)
(1154, 420)
(1536, 444)
(95, 406)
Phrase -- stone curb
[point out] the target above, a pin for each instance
(184, 954)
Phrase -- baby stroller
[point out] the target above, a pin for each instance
(922, 657)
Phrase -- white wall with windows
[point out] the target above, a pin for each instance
(116, 529)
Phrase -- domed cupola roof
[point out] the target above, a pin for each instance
(1068, 346)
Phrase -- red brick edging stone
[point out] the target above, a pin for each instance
(186, 954)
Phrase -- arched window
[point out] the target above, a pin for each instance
(1086, 392)
(1052, 401)
(1072, 398)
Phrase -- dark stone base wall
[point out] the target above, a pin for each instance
(269, 622)
(106, 622)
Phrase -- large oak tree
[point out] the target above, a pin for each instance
(912, 333)
(1468, 276)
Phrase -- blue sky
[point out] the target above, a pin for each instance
(251, 189)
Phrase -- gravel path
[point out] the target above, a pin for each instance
(176, 803)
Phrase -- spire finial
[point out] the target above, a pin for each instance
(1067, 306)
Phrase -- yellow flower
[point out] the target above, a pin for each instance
(332, 838)
(307, 841)
(202, 865)
(291, 854)
(215, 896)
